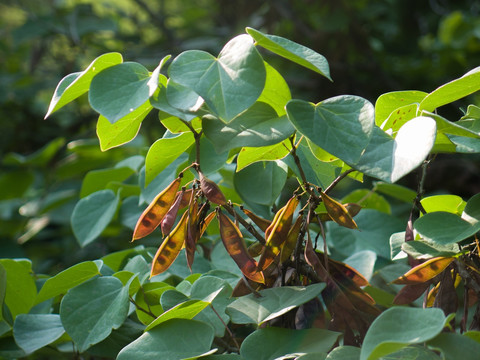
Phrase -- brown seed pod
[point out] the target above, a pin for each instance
(211, 191)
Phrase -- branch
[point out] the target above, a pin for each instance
(337, 180)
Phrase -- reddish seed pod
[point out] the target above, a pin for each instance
(211, 191)
(169, 219)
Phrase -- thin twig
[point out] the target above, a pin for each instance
(249, 227)
(148, 312)
(337, 180)
(226, 327)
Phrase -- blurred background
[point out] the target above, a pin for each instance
(372, 46)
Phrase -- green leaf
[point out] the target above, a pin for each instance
(335, 122)
(20, 289)
(368, 199)
(159, 101)
(163, 152)
(444, 228)
(414, 352)
(91, 310)
(211, 160)
(375, 227)
(185, 310)
(389, 102)
(390, 159)
(14, 184)
(273, 302)
(34, 331)
(452, 91)
(449, 203)
(396, 191)
(273, 342)
(344, 353)
(257, 126)
(276, 92)
(182, 97)
(250, 155)
(67, 279)
(92, 214)
(261, 182)
(422, 249)
(174, 339)
(230, 83)
(124, 130)
(317, 172)
(465, 144)
(149, 297)
(74, 85)
(292, 51)
(119, 90)
(471, 213)
(398, 327)
(40, 157)
(3, 290)
(454, 345)
(96, 180)
(399, 117)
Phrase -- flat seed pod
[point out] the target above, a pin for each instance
(338, 212)
(192, 233)
(169, 219)
(211, 191)
(262, 223)
(170, 248)
(154, 213)
(425, 271)
(235, 245)
(278, 235)
(292, 237)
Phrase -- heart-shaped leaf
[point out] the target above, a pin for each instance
(171, 340)
(334, 123)
(90, 311)
(292, 51)
(74, 85)
(34, 331)
(257, 126)
(119, 90)
(92, 214)
(230, 83)
(274, 302)
(273, 343)
(390, 159)
(388, 102)
(398, 327)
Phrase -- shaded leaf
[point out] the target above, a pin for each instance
(192, 339)
(252, 309)
(271, 343)
(34, 331)
(398, 327)
(91, 310)
(92, 214)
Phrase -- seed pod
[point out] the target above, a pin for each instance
(187, 194)
(154, 213)
(278, 233)
(169, 219)
(425, 271)
(255, 249)
(192, 233)
(291, 242)
(235, 245)
(338, 212)
(211, 191)
(262, 223)
(170, 248)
